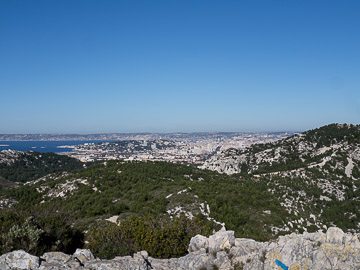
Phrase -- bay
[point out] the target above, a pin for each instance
(42, 146)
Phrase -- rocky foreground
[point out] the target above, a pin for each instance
(331, 250)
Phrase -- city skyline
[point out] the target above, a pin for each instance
(90, 67)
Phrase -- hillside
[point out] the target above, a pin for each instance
(331, 149)
(315, 174)
(20, 166)
(307, 182)
(158, 190)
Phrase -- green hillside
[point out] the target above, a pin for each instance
(307, 182)
(151, 189)
(26, 166)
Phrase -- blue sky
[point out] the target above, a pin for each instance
(168, 66)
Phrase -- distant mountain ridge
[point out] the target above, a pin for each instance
(121, 136)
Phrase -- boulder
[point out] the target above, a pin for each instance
(19, 260)
(55, 257)
(197, 242)
(83, 255)
(141, 255)
(245, 249)
(58, 261)
(335, 235)
(221, 240)
(196, 260)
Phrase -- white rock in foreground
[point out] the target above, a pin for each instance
(222, 240)
(333, 250)
(18, 259)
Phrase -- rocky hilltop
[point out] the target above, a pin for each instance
(315, 174)
(331, 250)
(330, 149)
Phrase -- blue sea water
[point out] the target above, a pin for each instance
(41, 146)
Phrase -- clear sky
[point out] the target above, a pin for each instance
(187, 65)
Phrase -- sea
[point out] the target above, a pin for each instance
(42, 146)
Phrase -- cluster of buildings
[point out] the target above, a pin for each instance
(187, 148)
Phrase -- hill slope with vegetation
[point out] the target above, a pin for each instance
(17, 166)
(315, 174)
(307, 182)
(330, 148)
(148, 191)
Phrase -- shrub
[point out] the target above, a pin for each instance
(42, 231)
(26, 237)
(161, 237)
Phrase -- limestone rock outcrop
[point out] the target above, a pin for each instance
(334, 250)
(19, 259)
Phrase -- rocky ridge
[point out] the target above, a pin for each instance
(331, 250)
(330, 149)
(315, 174)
